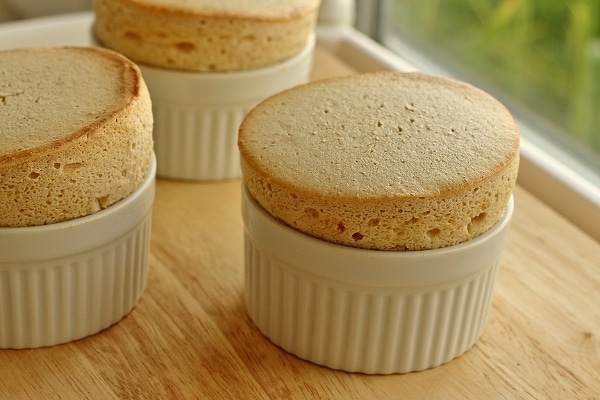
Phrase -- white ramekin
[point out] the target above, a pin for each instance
(197, 114)
(61, 282)
(375, 312)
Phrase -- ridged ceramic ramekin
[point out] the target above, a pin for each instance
(65, 281)
(375, 312)
(197, 114)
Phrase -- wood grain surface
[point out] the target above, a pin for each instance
(190, 337)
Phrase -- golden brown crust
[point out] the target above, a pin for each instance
(386, 161)
(207, 35)
(130, 82)
(75, 133)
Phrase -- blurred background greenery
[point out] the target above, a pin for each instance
(545, 54)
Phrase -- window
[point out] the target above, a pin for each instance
(541, 58)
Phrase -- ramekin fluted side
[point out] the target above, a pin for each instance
(369, 311)
(63, 300)
(198, 143)
(360, 329)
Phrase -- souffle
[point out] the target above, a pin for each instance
(75, 133)
(205, 35)
(386, 161)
